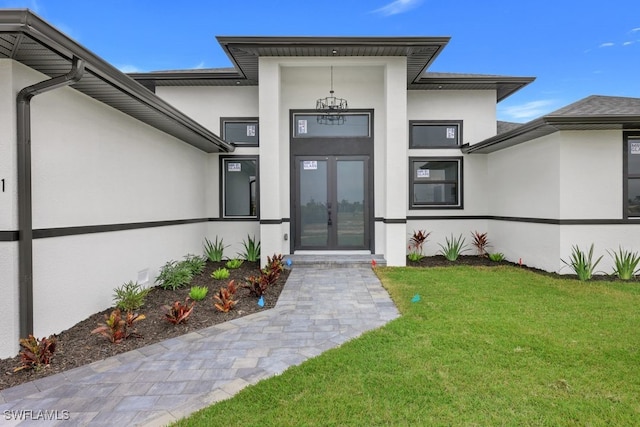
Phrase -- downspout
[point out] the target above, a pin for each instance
(25, 213)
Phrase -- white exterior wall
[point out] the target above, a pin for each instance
(92, 165)
(8, 212)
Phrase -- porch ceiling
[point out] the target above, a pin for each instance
(26, 38)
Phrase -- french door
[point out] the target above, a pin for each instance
(332, 202)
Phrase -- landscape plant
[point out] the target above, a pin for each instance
(179, 313)
(480, 242)
(625, 263)
(224, 297)
(220, 274)
(194, 263)
(115, 328)
(34, 353)
(130, 296)
(214, 251)
(198, 293)
(251, 251)
(496, 256)
(582, 263)
(416, 244)
(453, 247)
(234, 263)
(174, 275)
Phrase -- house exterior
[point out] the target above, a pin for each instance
(107, 176)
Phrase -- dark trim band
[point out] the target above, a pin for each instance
(9, 236)
(44, 233)
(274, 221)
(391, 220)
(550, 221)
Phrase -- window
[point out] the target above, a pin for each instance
(435, 182)
(348, 125)
(239, 186)
(240, 131)
(632, 175)
(430, 134)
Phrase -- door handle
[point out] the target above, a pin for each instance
(328, 213)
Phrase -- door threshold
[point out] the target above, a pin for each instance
(333, 252)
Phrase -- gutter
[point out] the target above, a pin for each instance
(25, 208)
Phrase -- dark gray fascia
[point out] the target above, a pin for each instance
(26, 23)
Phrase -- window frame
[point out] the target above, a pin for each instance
(626, 176)
(459, 182)
(296, 135)
(457, 123)
(223, 170)
(247, 120)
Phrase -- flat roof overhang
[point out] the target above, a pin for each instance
(26, 38)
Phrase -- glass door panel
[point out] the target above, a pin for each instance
(350, 188)
(313, 199)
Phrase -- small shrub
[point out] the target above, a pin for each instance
(130, 296)
(232, 264)
(251, 250)
(257, 285)
(453, 248)
(625, 263)
(582, 263)
(198, 293)
(174, 275)
(36, 353)
(178, 312)
(115, 328)
(194, 263)
(496, 256)
(225, 298)
(214, 251)
(480, 242)
(275, 264)
(416, 244)
(220, 274)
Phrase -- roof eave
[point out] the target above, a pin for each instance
(26, 22)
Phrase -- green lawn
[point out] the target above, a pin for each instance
(483, 346)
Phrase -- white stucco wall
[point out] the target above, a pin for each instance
(591, 181)
(92, 165)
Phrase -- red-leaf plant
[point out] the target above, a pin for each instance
(257, 285)
(480, 242)
(178, 312)
(225, 297)
(115, 328)
(36, 353)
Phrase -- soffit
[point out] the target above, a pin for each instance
(29, 40)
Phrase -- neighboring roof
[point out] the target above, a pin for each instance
(419, 51)
(26, 38)
(592, 113)
(503, 127)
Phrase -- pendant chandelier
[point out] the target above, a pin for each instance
(331, 108)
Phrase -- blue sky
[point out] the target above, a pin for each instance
(573, 48)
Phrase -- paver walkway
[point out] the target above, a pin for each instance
(319, 308)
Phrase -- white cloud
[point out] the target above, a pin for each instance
(627, 43)
(200, 66)
(129, 69)
(397, 6)
(607, 44)
(528, 110)
(635, 30)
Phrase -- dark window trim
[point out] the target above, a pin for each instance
(294, 113)
(459, 123)
(459, 159)
(255, 120)
(222, 182)
(626, 136)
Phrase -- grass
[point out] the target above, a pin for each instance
(484, 346)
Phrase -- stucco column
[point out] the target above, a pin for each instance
(396, 163)
(270, 162)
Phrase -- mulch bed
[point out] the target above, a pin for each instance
(77, 346)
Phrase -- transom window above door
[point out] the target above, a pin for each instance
(240, 131)
(350, 125)
(435, 134)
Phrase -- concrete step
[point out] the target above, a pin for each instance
(335, 260)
